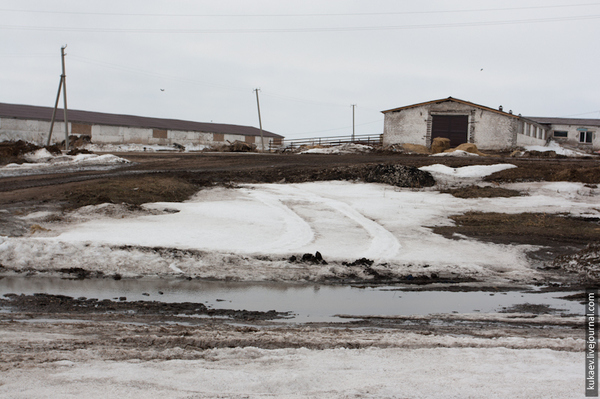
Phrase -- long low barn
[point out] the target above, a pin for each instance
(32, 123)
(493, 129)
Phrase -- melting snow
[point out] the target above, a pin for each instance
(235, 229)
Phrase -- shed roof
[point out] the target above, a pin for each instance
(18, 111)
(565, 121)
(453, 100)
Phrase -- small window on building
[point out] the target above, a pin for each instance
(561, 133)
(585, 137)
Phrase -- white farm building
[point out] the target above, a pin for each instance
(32, 123)
(488, 128)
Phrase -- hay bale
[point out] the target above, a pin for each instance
(440, 144)
(416, 149)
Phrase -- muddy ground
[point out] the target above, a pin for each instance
(57, 328)
(158, 177)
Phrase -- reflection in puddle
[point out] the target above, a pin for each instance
(309, 302)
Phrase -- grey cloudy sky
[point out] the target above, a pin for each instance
(311, 59)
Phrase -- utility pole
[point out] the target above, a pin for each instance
(353, 131)
(61, 85)
(262, 142)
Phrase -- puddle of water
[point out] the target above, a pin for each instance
(309, 302)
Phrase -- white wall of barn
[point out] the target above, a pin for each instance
(487, 129)
(36, 131)
(572, 138)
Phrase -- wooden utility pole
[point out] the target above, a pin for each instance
(353, 131)
(61, 85)
(262, 141)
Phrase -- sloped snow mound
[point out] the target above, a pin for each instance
(340, 149)
(466, 174)
(557, 148)
(42, 161)
(457, 153)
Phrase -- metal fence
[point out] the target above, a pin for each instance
(366, 139)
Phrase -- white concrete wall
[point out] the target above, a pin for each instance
(523, 140)
(30, 130)
(407, 126)
(573, 136)
(37, 132)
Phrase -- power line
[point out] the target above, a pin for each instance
(162, 15)
(585, 113)
(301, 30)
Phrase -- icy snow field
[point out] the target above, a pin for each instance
(235, 229)
(303, 373)
(249, 232)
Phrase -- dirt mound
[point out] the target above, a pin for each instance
(77, 151)
(585, 262)
(548, 172)
(523, 228)
(399, 176)
(134, 191)
(77, 141)
(13, 151)
(482, 192)
(316, 259)
(241, 146)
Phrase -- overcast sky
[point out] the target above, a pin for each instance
(201, 60)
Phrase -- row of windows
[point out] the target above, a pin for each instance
(584, 137)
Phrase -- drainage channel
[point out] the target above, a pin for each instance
(307, 302)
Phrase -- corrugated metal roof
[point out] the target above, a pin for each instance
(454, 100)
(18, 111)
(565, 121)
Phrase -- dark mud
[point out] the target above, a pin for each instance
(59, 304)
(525, 228)
(482, 192)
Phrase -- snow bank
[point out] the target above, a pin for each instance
(456, 153)
(350, 148)
(474, 171)
(43, 161)
(294, 373)
(41, 155)
(554, 146)
(466, 175)
(141, 147)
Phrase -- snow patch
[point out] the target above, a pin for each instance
(250, 232)
(293, 373)
(473, 171)
(456, 153)
(350, 148)
(554, 146)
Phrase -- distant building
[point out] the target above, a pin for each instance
(32, 123)
(488, 128)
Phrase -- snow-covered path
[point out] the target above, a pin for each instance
(302, 373)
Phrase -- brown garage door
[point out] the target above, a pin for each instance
(453, 127)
